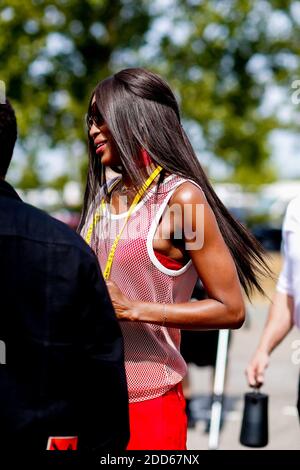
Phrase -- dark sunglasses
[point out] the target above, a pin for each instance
(94, 117)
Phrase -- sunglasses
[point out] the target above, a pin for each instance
(94, 117)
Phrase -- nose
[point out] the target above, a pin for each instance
(94, 131)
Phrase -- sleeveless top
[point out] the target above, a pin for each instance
(153, 361)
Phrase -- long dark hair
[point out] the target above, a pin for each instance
(141, 111)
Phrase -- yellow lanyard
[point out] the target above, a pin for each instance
(97, 217)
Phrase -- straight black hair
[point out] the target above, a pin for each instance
(8, 135)
(141, 111)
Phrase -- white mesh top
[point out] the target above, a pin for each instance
(152, 357)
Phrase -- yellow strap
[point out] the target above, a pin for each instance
(97, 217)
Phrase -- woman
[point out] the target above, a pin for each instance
(153, 244)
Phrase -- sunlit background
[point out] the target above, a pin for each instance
(235, 68)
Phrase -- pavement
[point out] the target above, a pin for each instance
(281, 384)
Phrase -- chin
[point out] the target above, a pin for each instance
(109, 160)
(106, 160)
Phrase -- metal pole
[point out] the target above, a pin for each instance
(219, 380)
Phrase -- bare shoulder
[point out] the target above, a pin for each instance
(188, 193)
(187, 198)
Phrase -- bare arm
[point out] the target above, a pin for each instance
(281, 314)
(278, 325)
(213, 262)
(279, 322)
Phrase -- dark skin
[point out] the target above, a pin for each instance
(213, 262)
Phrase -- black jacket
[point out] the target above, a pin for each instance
(64, 373)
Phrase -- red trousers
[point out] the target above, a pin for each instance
(160, 423)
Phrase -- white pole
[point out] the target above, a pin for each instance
(219, 380)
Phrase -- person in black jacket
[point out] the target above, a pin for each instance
(64, 361)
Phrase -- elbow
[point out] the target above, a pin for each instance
(237, 317)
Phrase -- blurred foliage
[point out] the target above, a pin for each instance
(52, 54)
(224, 61)
(219, 55)
(253, 220)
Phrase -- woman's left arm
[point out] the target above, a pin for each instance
(215, 267)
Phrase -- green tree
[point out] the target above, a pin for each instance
(222, 57)
(52, 54)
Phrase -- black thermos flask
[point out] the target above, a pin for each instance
(254, 431)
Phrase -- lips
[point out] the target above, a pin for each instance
(100, 146)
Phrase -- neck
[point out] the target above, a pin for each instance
(127, 181)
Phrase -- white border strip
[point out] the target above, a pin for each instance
(151, 233)
(142, 201)
(152, 230)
